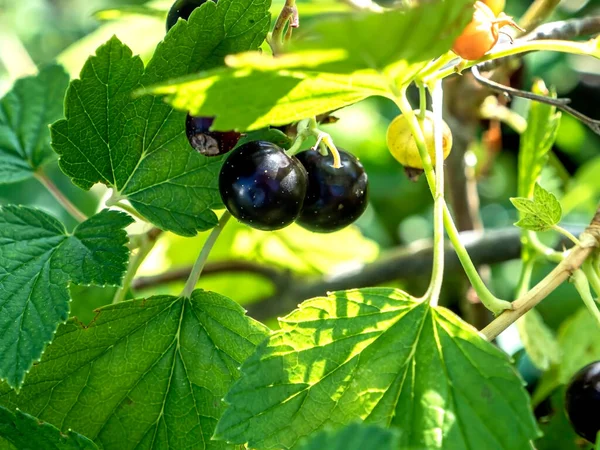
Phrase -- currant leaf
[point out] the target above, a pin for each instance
(144, 374)
(138, 146)
(380, 356)
(25, 113)
(38, 260)
(26, 432)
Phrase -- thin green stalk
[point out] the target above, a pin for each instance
(550, 254)
(310, 127)
(437, 273)
(525, 278)
(592, 276)
(147, 243)
(491, 302)
(564, 232)
(131, 210)
(583, 287)
(423, 103)
(413, 123)
(192, 280)
(41, 176)
(488, 299)
(573, 47)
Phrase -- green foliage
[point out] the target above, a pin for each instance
(540, 214)
(542, 127)
(138, 147)
(355, 436)
(323, 74)
(539, 340)
(38, 260)
(144, 374)
(26, 432)
(380, 356)
(25, 112)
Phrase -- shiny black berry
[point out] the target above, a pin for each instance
(183, 9)
(209, 143)
(335, 197)
(582, 401)
(261, 186)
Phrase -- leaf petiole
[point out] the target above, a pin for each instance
(192, 281)
(491, 302)
(567, 234)
(61, 198)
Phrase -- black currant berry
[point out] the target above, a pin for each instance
(183, 9)
(261, 186)
(335, 197)
(582, 401)
(209, 143)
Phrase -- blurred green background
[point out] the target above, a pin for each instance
(37, 32)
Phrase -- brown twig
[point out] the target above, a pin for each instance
(589, 241)
(491, 247)
(277, 276)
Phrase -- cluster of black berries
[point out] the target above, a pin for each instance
(265, 188)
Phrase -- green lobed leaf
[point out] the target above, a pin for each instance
(380, 356)
(138, 146)
(356, 436)
(38, 260)
(144, 374)
(542, 127)
(412, 35)
(539, 340)
(25, 113)
(335, 62)
(251, 99)
(26, 432)
(539, 214)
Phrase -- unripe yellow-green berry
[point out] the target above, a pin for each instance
(403, 146)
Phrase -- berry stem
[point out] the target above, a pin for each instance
(310, 127)
(491, 302)
(437, 274)
(582, 285)
(192, 281)
(61, 198)
(566, 233)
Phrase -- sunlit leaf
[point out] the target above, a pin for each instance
(380, 356)
(335, 62)
(144, 374)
